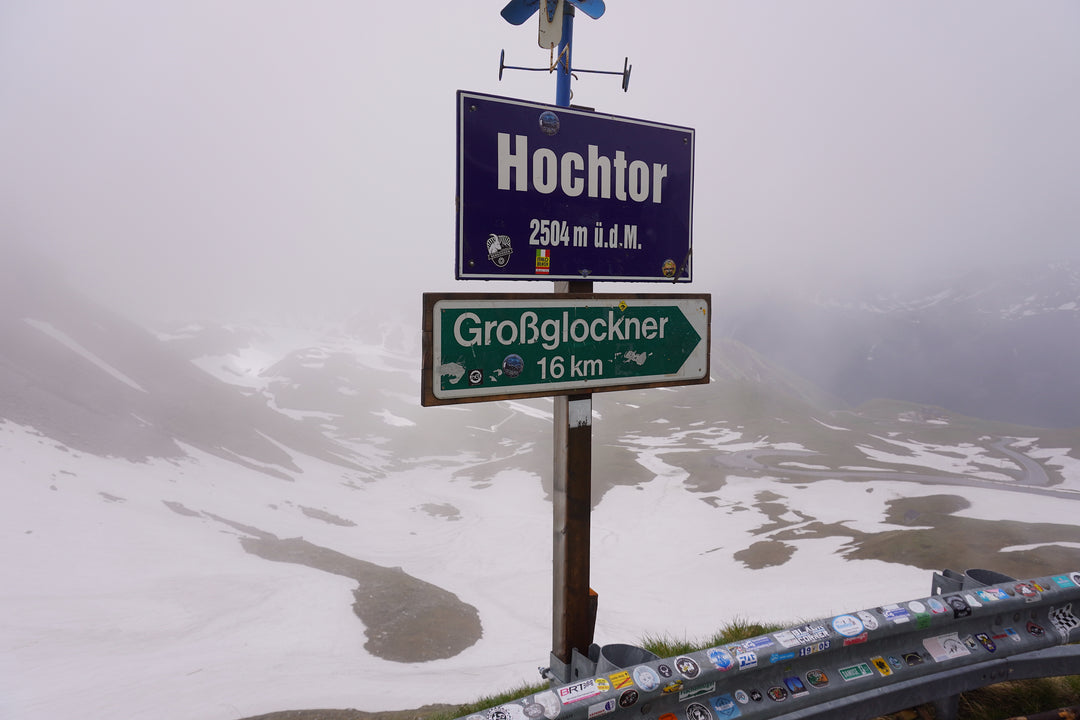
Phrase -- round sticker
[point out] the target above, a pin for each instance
(936, 606)
(916, 607)
(645, 678)
(817, 678)
(549, 123)
(742, 697)
(869, 621)
(513, 365)
(628, 698)
(687, 667)
(778, 693)
(847, 625)
(1027, 591)
(697, 711)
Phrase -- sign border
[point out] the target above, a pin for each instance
(686, 271)
(427, 377)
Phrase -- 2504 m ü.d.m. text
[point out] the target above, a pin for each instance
(554, 193)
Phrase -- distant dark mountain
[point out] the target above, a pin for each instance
(1000, 346)
(94, 382)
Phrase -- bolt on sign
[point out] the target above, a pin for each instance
(490, 347)
(553, 193)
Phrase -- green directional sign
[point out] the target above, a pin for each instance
(489, 347)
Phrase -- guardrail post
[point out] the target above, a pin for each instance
(947, 708)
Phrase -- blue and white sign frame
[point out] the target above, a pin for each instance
(553, 193)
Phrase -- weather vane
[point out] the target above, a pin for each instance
(556, 32)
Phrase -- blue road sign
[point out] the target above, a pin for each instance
(554, 193)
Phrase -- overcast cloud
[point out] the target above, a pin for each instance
(220, 157)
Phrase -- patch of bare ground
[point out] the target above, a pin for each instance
(932, 537)
(407, 619)
(765, 553)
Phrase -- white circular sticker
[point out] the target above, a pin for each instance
(847, 625)
(868, 620)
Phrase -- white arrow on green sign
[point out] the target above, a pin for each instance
(490, 347)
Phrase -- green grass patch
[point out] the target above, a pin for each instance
(666, 646)
(1019, 697)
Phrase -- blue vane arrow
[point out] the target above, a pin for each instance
(592, 8)
(518, 11)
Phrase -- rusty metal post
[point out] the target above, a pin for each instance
(573, 602)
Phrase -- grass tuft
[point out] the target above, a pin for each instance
(489, 701)
(738, 629)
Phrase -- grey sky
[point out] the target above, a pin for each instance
(217, 157)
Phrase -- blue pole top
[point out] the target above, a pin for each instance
(562, 62)
(518, 11)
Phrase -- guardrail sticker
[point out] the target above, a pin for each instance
(896, 614)
(945, 647)
(645, 678)
(847, 625)
(1064, 620)
(724, 707)
(854, 672)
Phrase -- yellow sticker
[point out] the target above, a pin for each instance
(621, 680)
(622, 304)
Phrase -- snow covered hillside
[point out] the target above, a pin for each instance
(221, 521)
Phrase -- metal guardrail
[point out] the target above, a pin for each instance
(969, 633)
